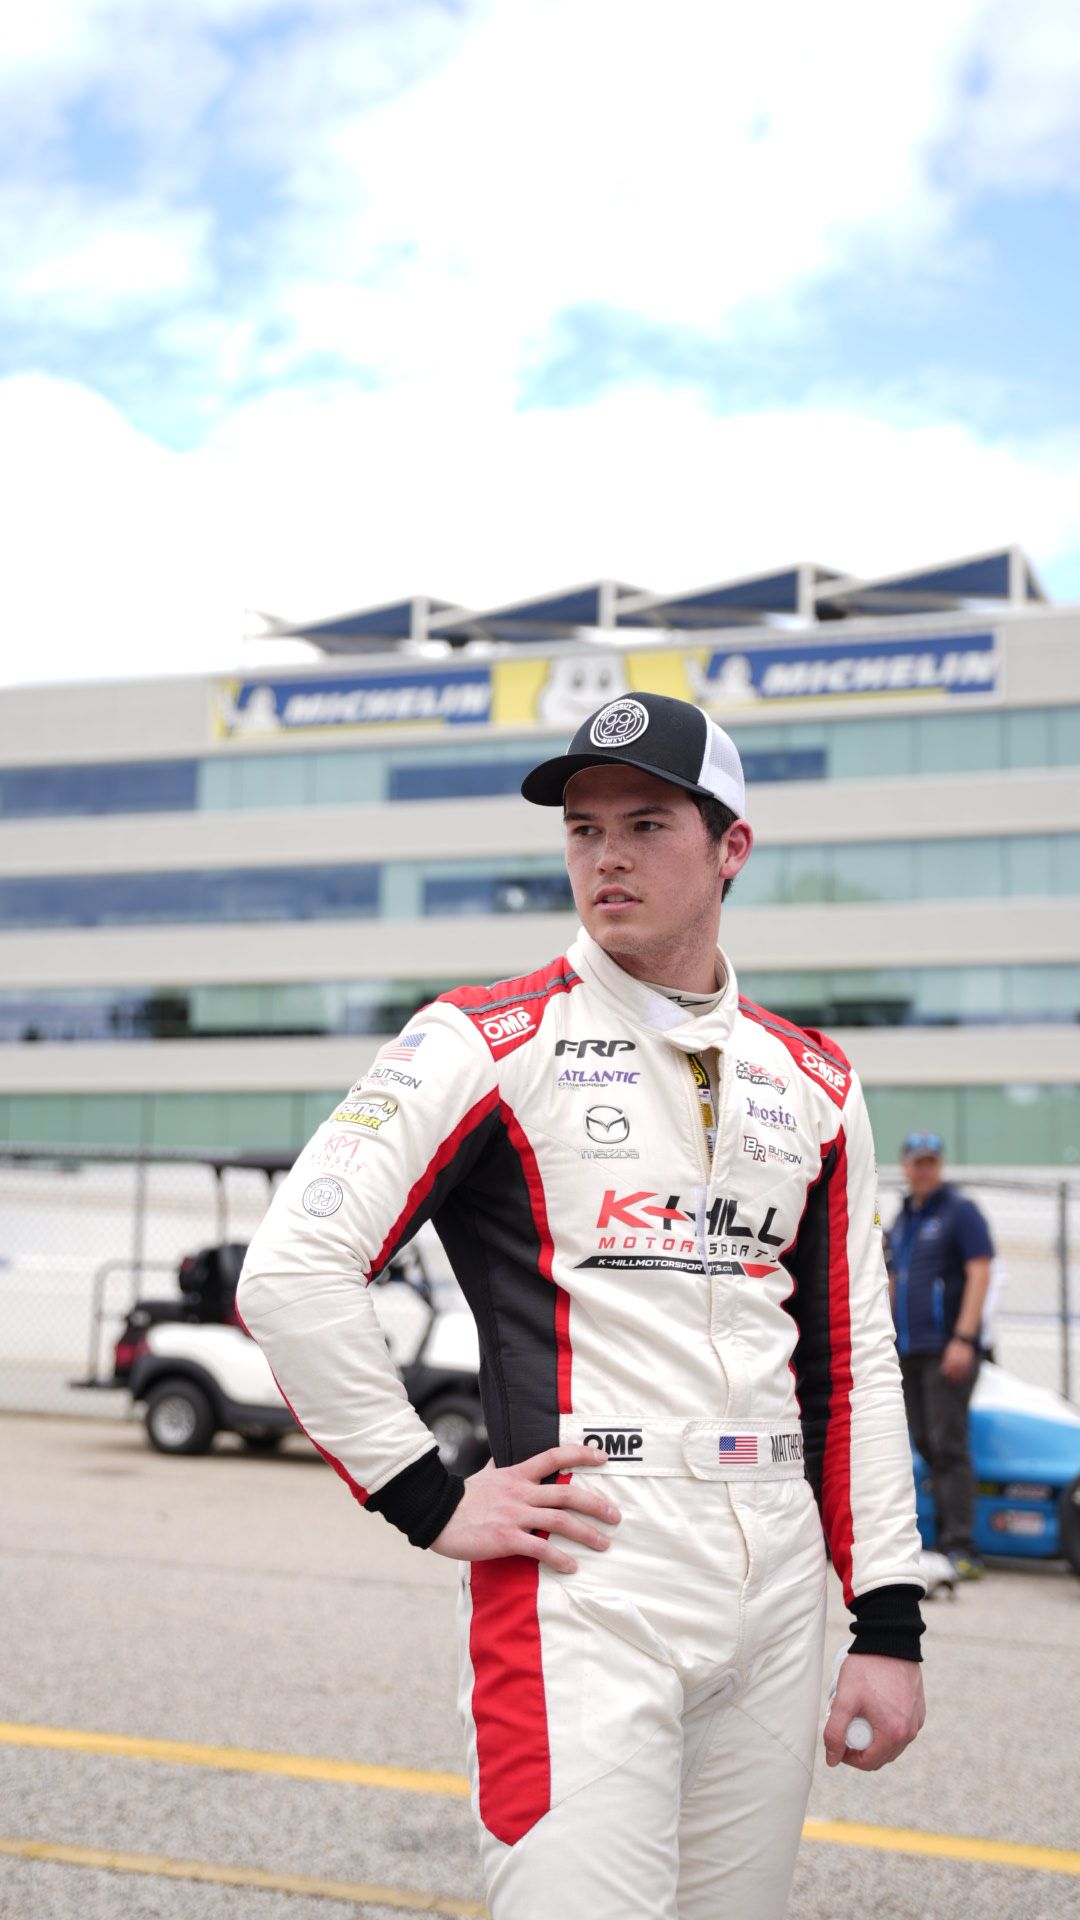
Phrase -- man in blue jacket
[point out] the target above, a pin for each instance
(939, 1254)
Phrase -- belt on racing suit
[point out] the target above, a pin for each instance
(744, 1449)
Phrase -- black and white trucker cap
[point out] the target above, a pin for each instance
(670, 738)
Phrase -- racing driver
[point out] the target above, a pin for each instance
(659, 1201)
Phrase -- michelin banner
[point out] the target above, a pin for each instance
(442, 697)
(562, 689)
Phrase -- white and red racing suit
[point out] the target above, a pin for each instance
(710, 1307)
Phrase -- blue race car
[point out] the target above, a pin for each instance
(1025, 1444)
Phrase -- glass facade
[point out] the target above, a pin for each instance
(918, 996)
(864, 747)
(996, 867)
(990, 1126)
(225, 894)
(828, 999)
(1019, 1126)
(124, 786)
(213, 1012)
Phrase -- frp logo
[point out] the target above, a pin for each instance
(619, 1443)
(607, 1049)
(503, 1030)
(831, 1076)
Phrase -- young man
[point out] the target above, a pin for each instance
(940, 1254)
(660, 1204)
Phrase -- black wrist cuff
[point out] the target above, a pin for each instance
(420, 1499)
(888, 1621)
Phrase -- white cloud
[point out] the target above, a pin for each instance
(117, 558)
(121, 558)
(701, 169)
(91, 266)
(431, 186)
(1018, 130)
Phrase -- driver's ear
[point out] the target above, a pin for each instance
(736, 847)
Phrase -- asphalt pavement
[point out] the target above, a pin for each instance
(243, 1606)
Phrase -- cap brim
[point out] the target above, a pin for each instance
(546, 784)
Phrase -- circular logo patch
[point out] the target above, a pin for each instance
(618, 724)
(322, 1197)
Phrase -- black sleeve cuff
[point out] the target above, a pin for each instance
(420, 1499)
(888, 1621)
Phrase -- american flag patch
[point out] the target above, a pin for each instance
(403, 1048)
(739, 1448)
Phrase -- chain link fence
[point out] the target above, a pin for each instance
(81, 1238)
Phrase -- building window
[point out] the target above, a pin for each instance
(1028, 1126)
(863, 748)
(226, 894)
(125, 786)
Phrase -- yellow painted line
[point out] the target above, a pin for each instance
(940, 1846)
(186, 1753)
(161, 1867)
(945, 1846)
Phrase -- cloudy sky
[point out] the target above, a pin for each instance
(308, 304)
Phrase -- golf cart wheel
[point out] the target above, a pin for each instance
(1070, 1523)
(454, 1420)
(179, 1417)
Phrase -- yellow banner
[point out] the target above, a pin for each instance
(562, 691)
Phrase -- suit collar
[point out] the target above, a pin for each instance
(651, 1010)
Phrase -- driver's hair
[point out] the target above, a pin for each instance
(718, 819)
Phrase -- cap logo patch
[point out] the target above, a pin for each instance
(618, 724)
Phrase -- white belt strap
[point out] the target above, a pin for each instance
(698, 1449)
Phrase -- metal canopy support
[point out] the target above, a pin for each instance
(1004, 575)
(805, 593)
(553, 616)
(757, 598)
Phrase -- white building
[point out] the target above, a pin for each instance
(216, 896)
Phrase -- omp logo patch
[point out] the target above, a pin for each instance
(619, 1443)
(504, 1030)
(830, 1075)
